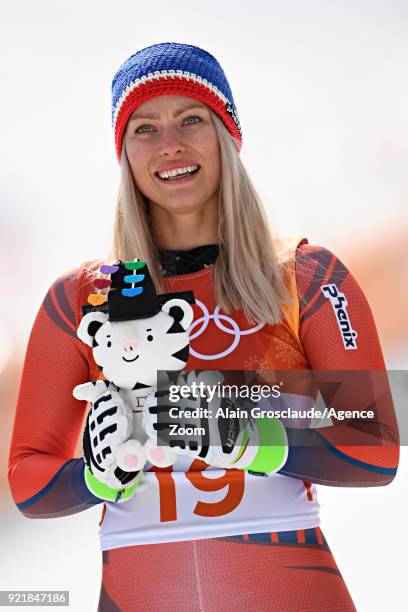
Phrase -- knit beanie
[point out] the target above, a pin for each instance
(171, 68)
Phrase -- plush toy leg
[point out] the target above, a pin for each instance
(130, 456)
(160, 456)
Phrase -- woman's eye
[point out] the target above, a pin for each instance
(150, 337)
(109, 344)
(142, 129)
(192, 119)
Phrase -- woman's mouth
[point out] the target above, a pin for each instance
(178, 175)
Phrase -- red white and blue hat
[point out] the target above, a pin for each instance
(172, 68)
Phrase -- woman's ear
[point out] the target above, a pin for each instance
(89, 325)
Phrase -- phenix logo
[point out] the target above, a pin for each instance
(339, 303)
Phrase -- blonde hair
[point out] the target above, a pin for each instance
(250, 273)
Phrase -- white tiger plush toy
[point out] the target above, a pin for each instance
(129, 353)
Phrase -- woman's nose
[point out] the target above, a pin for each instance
(129, 346)
(171, 143)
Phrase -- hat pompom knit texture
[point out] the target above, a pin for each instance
(171, 68)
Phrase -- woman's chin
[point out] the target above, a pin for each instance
(180, 203)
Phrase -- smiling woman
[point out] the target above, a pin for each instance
(234, 521)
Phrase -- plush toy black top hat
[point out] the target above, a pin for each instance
(131, 292)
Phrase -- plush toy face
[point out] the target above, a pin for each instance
(131, 352)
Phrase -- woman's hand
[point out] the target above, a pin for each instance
(220, 431)
(109, 452)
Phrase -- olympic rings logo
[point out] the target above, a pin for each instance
(205, 319)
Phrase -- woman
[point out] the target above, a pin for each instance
(188, 541)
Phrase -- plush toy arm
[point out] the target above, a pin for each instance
(90, 391)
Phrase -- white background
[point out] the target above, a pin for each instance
(321, 89)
